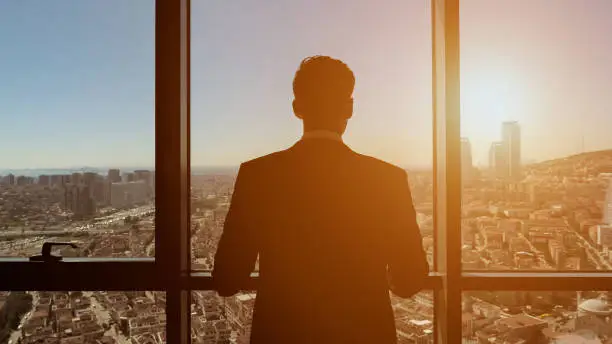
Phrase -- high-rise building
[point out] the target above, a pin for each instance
(89, 178)
(114, 175)
(511, 138)
(466, 160)
(147, 177)
(142, 175)
(77, 198)
(59, 179)
(75, 178)
(78, 194)
(497, 161)
(95, 186)
(126, 194)
(24, 180)
(129, 177)
(604, 235)
(607, 212)
(43, 180)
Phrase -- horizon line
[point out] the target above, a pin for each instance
(236, 166)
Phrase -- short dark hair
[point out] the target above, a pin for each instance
(322, 77)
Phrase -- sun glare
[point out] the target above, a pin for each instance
(489, 96)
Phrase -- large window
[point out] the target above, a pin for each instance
(536, 159)
(78, 145)
(77, 139)
(124, 122)
(244, 56)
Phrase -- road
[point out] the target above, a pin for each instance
(592, 251)
(16, 335)
(541, 258)
(102, 317)
(99, 225)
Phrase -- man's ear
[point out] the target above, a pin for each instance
(349, 109)
(296, 109)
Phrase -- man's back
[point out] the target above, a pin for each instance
(326, 223)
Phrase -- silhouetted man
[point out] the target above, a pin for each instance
(334, 230)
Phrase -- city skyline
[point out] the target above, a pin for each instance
(505, 155)
(199, 169)
(505, 158)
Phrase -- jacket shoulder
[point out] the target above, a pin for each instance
(381, 166)
(263, 161)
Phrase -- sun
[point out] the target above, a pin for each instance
(489, 96)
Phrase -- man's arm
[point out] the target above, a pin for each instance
(237, 250)
(407, 264)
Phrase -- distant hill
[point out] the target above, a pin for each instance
(593, 162)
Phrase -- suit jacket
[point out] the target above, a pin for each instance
(334, 232)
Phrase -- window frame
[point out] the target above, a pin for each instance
(101, 273)
(170, 270)
(447, 194)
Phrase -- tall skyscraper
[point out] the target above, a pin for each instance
(511, 138)
(145, 175)
(129, 177)
(77, 198)
(498, 164)
(114, 176)
(88, 178)
(467, 165)
(75, 178)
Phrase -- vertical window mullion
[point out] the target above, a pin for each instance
(447, 171)
(172, 160)
(185, 228)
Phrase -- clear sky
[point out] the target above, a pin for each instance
(76, 83)
(77, 77)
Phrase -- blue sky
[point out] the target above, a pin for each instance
(77, 83)
(77, 77)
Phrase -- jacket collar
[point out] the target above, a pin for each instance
(322, 134)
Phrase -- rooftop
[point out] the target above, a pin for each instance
(595, 306)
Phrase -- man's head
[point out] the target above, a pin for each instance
(323, 91)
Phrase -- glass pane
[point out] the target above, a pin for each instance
(215, 319)
(77, 141)
(536, 317)
(100, 317)
(537, 155)
(244, 58)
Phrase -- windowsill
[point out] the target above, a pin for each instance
(433, 282)
(82, 260)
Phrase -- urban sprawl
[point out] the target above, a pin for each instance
(548, 216)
